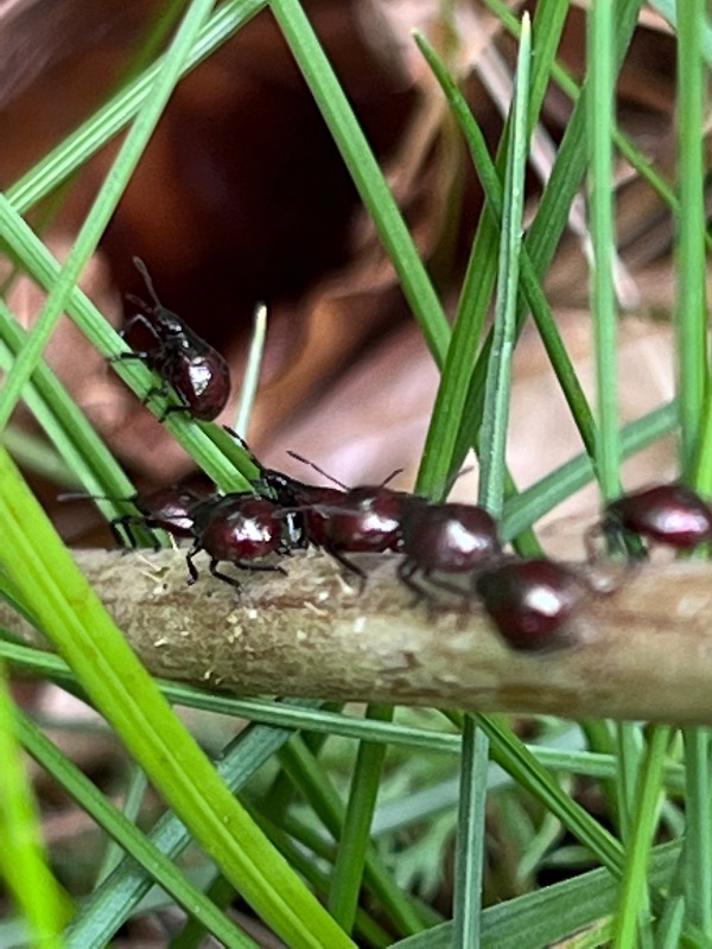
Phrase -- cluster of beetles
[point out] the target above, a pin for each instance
(451, 547)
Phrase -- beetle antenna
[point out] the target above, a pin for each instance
(143, 270)
(325, 474)
(137, 301)
(390, 477)
(82, 496)
(450, 483)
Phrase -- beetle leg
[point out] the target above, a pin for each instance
(127, 521)
(150, 527)
(245, 447)
(349, 565)
(406, 571)
(135, 354)
(617, 540)
(265, 567)
(124, 521)
(223, 576)
(192, 569)
(591, 535)
(448, 587)
(295, 529)
(161, 390)
(170, 409)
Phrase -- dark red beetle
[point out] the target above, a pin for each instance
(668, 514)
(341, 521)
(167, 509)
(447, 538)
(239, 529)
(197, 371)
(530, 601)
(364, 519)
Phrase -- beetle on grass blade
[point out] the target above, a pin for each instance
(195, 369)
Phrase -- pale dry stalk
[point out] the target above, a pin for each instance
(642, 652)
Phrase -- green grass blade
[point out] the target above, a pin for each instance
(22, 860)
(599, 104)
(633, 890)
(135, 794)
(221, 893)
(36, 454)
(531, 288)
(671, 922)
(155, 35)
(512, 754)
(551, 218)
(698, 829)
(437, 467)
(132, 840)
(82, 450)
(122, 690)
(67, 157)
(702, 473)
(104, 206)
(669, 10)
(691, 316)
(547, 916)
(319, 879)
(58, 404)
(111, 903)
(253, 367)
(568, 170)
(282, 791)
(366, 174)
(696, 442)
(310, 778)
(471, 852)
(354, 839)
(629, 747)
(563, 79)
(493, 435)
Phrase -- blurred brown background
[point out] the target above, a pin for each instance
(242, 197)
